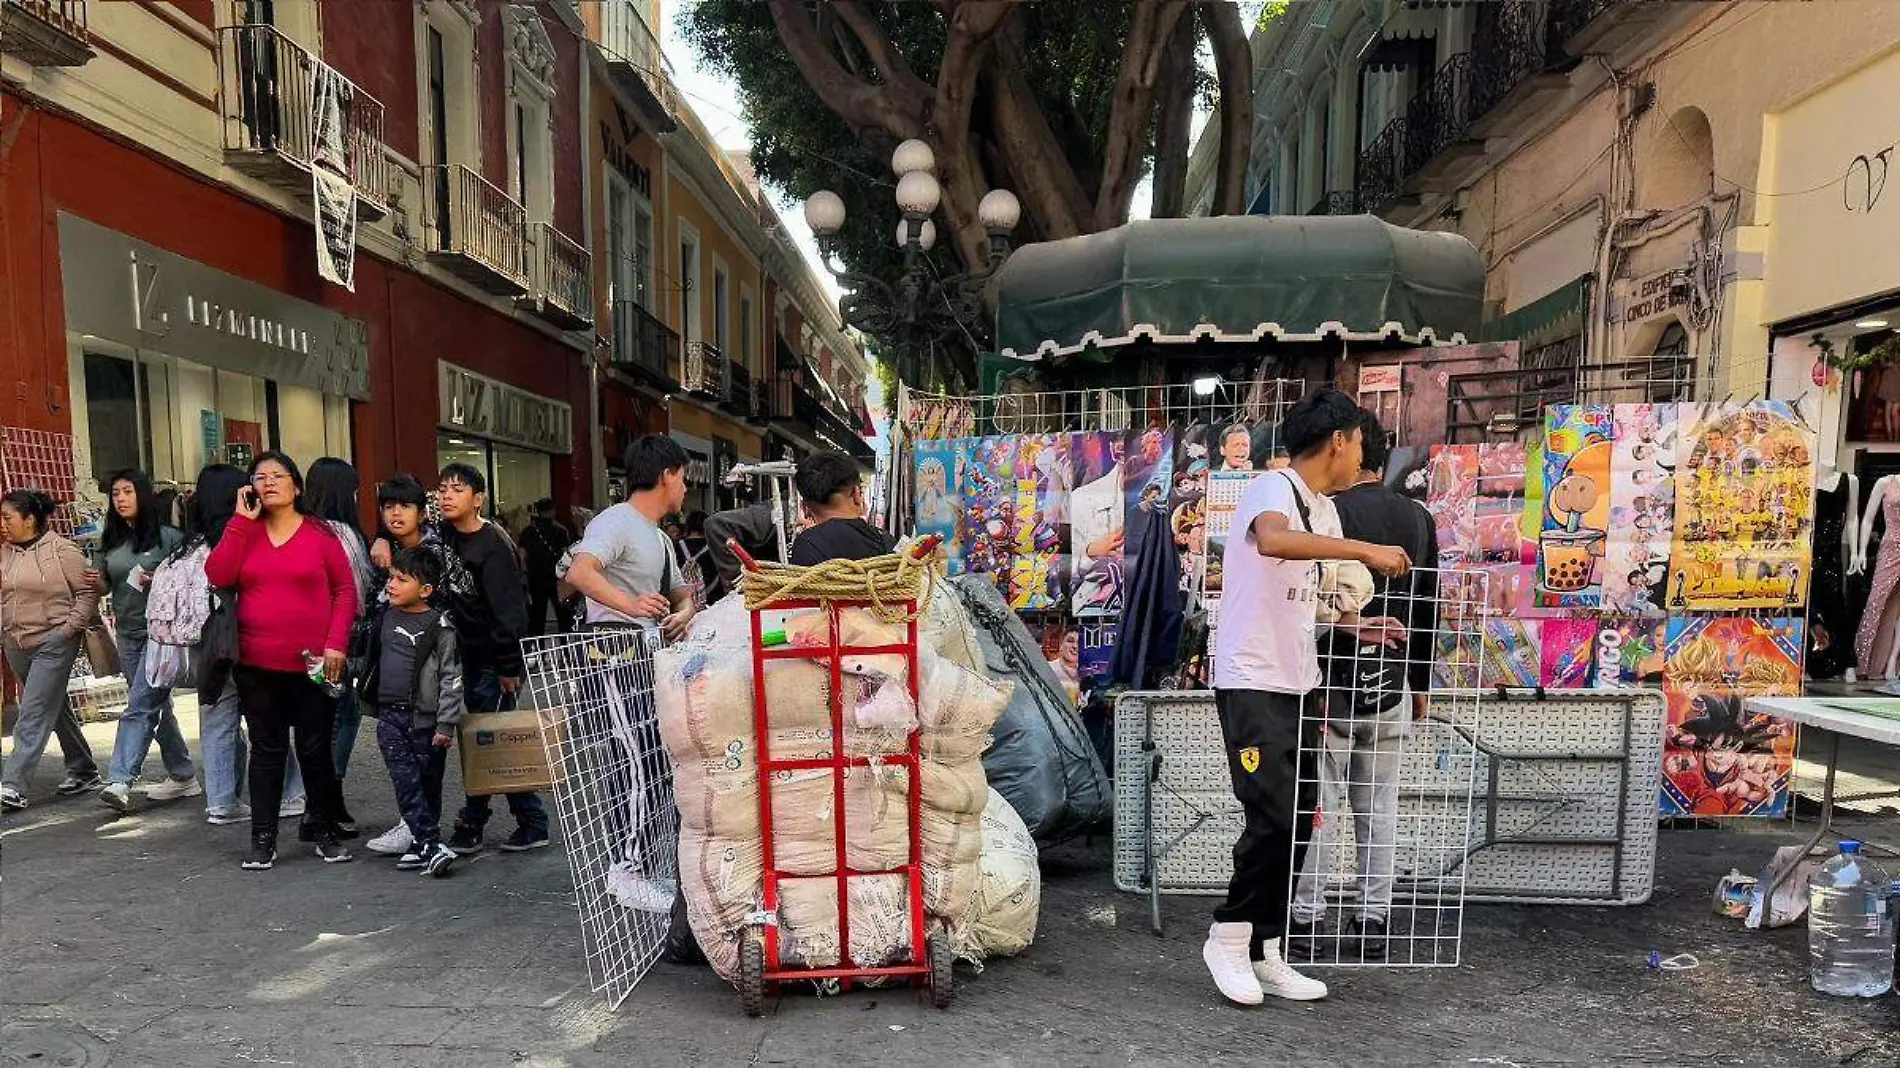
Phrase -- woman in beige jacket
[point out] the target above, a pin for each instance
(45, 605)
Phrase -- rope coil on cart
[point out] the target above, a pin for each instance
(887, 582)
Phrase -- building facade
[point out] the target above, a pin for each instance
(1671, 199)
(175, 172)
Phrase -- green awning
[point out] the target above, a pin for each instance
(1239, 278)
(1552, 317)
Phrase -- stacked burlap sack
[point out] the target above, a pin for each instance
(704, 692)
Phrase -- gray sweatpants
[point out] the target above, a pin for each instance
(1360, 773)
(43, 673)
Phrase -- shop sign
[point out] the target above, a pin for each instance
(1380, 379)
(500, 412)
(123, 290)
(1658, 295)
(699, 453)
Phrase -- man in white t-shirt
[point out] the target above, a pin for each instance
(1266, 663)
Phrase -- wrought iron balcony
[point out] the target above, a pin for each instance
(741, 400)
(1581, 27)
(561, 287)
(791, 402)
(46, 33)
(704, 370)
(643, 343)
(1339, 202)
(269, 89)
(474, 230)
(637, 64)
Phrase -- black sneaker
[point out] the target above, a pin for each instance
(1303, 939)
(345, 823)
(329, 851)
(466, 839)
(263, 853)
(524, 839)
(1365, 936)
(78, 784)
(436, 859)
(410, 861)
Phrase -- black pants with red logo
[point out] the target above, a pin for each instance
(1277, 795)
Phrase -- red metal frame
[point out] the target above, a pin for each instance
(833, 652)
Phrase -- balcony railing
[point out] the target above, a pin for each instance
(740, 399)
(562, 285)
(637, 62)
(704, 370)
(269, 90)
(46, 33)
(642, 342)
(1340, 202)
(474, 230)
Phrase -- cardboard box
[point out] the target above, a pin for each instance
(502, 752)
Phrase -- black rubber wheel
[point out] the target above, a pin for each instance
(752, 973)
(943, 981)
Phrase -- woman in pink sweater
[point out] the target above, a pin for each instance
(296, 598)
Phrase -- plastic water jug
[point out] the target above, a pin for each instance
(1850, 926)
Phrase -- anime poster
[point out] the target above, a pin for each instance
(1513, 653)
(1744, 508)
(1098, 647)
(1576, 507)
(1097, 521)
(987, 483)
(937, 502)
(1642, 510)
(1041, 496)
(1187, 508)
(1147, 479)
(1630, 653)
(1718, 759)
(1569, 653)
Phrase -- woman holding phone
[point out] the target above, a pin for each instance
(296, 600)
(135, 542)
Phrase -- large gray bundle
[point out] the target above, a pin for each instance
(1041, 760)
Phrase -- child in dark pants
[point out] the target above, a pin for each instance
(414, 689)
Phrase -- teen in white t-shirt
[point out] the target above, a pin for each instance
(1266, 661)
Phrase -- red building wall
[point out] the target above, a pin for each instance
(374, 45)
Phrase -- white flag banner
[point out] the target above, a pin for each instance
(335, 198)
(331, 99)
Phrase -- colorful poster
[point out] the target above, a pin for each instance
(1718, 759)
(1576, 509)
(1450, 496)
(1630, 653)
(1187, 509)
(1642, 510)
(1457, 660)
(1223, 496)
(1569, 648)
(1097, 521)
(1034, 523)
(1147, 479)
(1513, 653)
(988, 486)
(937, 503)
(1744, 508)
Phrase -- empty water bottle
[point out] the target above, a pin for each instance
(1850, 926)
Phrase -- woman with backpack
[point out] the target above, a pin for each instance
(135, 542)
(330, 493)
(45, 605)
(220, 721)
(296, 604)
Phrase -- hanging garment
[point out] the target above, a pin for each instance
(1869, 640)
(1831, 615)
(1148, 641)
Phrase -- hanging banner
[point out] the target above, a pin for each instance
(335, 200)
(1719, 760)
(937, 504)
(1037, 513)
(331, 97)
(1744, 508)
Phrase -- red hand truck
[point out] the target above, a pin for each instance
(760, 969)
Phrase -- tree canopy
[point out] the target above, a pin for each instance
(1063, 102)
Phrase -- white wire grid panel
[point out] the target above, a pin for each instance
(1388, 797)
(613, 791)
(42, 460)
(936, 415)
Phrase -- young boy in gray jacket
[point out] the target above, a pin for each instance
(413, 686)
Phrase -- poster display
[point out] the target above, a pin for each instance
(1744, 508)
(938, 504)
(1576, 506)
(1097, 522)
(1720, 760)
(1642, 510)
(1037, 513)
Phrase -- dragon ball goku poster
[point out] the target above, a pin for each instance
(1718, 758)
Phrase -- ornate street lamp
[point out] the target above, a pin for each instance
(923, 308)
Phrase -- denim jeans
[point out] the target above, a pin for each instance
(348, 719)
(481, 690)
(148, 715)
(1359, 774)
(221, 744)
(43, 674)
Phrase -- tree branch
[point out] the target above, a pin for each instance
(1233, 64)
(1148, 34)
(864, 106)
(1045, 177)
(1174, 121)
(877, 44)
(972, 25)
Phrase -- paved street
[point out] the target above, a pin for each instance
(138, 941)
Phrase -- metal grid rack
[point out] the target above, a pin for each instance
(934, 415)
(613, 791)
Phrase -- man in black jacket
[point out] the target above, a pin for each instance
(833, 493)
(1369, 687)
(489, 627)
(542, 543)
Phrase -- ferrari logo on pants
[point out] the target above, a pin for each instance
(1250, 759)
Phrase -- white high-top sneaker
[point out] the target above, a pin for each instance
(1278, 978)
(1225, 952)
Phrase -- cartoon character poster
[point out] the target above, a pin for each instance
(1513, 653)
(937, 501)
(1576, 508)
(1744, 508)
(1097, 521)
(988, 485)
(1642, 510)
(1569, 653)
(1719, 759)
(1041, 495)
(1187, 507)
(1450, 496)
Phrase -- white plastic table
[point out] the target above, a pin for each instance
(1876, 719)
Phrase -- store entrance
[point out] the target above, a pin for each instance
(516, 477)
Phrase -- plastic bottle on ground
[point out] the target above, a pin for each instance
(1850, 926)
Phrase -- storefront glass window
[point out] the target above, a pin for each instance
(112, 414)
(516, 477)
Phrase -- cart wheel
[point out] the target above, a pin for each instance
(943, 982)
(752, 973)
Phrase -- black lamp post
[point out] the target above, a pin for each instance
(923, 308)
